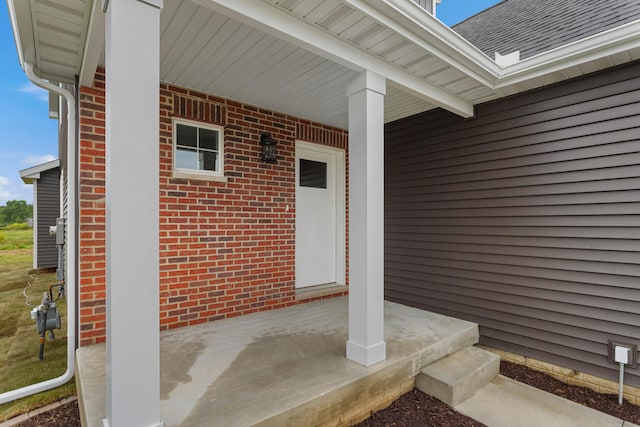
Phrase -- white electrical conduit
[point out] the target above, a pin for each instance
(70, 282)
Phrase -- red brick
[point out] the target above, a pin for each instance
(218, 255)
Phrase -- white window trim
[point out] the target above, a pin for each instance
(192, 173)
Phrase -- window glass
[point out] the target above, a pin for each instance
(208, 139)
(187, 136)
(186, 159)
(208, 160)
(313, 174)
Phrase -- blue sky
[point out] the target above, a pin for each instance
(29, 137)
(452, 12)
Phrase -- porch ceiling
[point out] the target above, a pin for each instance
(296, 56)
(206, 50)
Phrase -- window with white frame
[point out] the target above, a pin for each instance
(198, 148)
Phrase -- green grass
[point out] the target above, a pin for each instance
(15, 237)
(19, 363)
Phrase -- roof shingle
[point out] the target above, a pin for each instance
(536, 26)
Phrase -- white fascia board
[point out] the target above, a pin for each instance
(286, 27)
(93, 46)
(601, 45)
(411, 21)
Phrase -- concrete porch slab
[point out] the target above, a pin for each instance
(284, 367)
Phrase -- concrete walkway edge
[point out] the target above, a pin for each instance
(508, 403)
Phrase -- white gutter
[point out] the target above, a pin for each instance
(70, 282)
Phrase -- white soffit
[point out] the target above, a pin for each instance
(52, 35)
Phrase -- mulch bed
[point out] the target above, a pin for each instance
(67, 415)
(416, 409)
(607, 403)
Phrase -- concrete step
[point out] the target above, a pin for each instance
(457, 376)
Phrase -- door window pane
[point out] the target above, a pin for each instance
(313, 174)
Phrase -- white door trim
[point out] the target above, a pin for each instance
(340, 200)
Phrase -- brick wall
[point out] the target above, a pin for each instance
(226, 248)
(92, 219)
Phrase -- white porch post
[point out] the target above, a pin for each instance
(366, 219)
(132, 164)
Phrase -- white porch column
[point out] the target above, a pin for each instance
(132, 164)
(366, 219)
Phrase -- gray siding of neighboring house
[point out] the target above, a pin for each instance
(425, 4)
(524, 219)
(48, 205)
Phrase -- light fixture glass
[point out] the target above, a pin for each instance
(269, 152)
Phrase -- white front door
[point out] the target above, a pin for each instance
(319, 215)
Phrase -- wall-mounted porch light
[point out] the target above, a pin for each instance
(269, 152)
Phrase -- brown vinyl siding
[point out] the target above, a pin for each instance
(525, 219)
(48, 205)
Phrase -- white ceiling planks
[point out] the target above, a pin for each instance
(207, 51)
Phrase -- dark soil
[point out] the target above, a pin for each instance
(418, 409)
(67, 415)
(607, 403)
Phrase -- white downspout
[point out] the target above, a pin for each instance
(70, 282)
